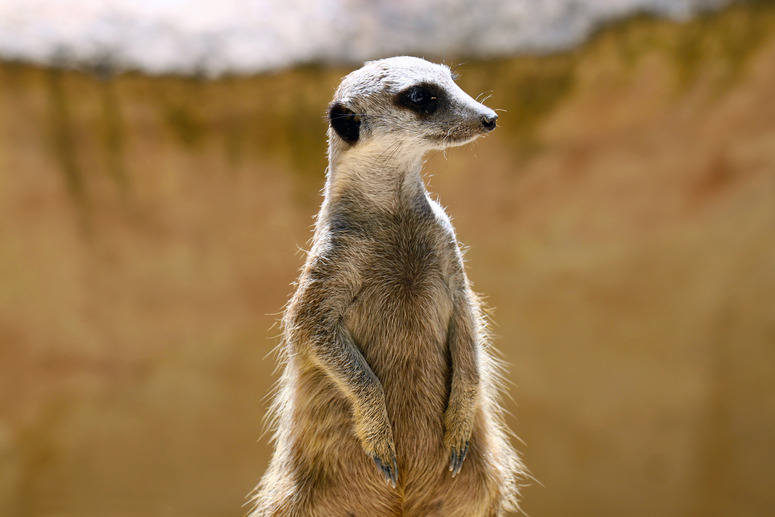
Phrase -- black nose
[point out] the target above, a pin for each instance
(488, 121)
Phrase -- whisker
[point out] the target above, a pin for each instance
(487, 92)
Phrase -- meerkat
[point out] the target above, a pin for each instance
(388, 403)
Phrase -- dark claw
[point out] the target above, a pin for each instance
(456, 460)
(389, 471)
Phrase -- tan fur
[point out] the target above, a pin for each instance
(388, 375)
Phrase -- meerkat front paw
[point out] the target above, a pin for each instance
(456, 438)
(389, 470)
(456, 457)
(377, 441)
(384, 455)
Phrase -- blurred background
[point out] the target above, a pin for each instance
(160, 167)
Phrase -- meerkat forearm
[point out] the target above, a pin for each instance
(464, 343)
(340, 358)
(329, 345)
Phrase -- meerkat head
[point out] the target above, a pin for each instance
(407, 104)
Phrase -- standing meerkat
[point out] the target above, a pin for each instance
(387, 405)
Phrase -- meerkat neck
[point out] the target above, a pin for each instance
(384, 178)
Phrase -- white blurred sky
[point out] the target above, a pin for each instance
(243, 36)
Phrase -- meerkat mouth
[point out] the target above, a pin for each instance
(458, 137)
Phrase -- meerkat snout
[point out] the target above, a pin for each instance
(488, 121)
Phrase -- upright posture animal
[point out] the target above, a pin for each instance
(387, 404)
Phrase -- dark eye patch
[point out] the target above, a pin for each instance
(423, 99)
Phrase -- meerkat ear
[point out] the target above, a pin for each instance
(345, 122)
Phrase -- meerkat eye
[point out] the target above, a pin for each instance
(419, 99)
(419, 96)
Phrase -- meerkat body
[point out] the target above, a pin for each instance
(386, 356)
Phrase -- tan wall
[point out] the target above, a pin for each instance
(621, 222)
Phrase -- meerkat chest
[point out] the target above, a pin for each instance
(405, 293)
(409, 261)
